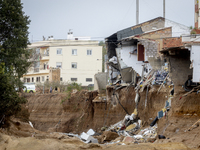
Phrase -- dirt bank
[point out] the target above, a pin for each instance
(85, 110)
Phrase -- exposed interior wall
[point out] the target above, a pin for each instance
(179, 67)
(156, 63)
(130, 60)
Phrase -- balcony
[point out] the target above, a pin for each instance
(44, 56)
(42, 70)
(37, 70)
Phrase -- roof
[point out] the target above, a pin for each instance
(180, 48)
(55, 42)
(133, 30)
(148, 32)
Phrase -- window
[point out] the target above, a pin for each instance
(42, 78)
(88, 79)
(74, 52)
(59, 65)
(28, 79)
(60, 78)
(38, 79)
(47, 78)
(73, 79)
(32, 79)
(89, 52)
(74, 65)
(59, 51)
(47, 54)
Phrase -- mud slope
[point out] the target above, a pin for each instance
(85, 110)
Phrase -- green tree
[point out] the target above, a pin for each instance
(13, 54)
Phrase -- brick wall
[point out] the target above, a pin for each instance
(166, 32)
(196, 25)
(172, 42)
(154, 23)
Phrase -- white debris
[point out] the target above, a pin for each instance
(88, 138)
(90, 132)
(31, 124)
(113, 60)
(138, 136)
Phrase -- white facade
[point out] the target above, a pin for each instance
(177, 28)
(78, 60)
(195, 59)
(129, 60)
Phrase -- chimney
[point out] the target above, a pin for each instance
(70, 35)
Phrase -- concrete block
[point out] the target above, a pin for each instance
(86, 137)
(90, 132)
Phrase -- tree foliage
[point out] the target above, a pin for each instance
(13, 54)
(10, 100)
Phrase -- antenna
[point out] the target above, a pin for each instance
(137, 12)
(163, 8)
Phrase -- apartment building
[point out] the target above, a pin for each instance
(78, 60)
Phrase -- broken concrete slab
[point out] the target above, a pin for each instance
(88, 138)
(85, 136)
(128, 139)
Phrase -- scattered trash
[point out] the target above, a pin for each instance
(154, 121)
(160, 114)
(161, 137)
(31, 124)
(193, 125)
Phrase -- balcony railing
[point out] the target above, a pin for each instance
(36, 69)
(44, 56)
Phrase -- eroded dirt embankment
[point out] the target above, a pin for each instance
(85, 110)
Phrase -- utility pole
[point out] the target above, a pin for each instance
(163, 8)
(137, 12)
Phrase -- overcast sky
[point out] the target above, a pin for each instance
(98, 18)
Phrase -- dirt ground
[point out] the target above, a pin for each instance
(53, 114)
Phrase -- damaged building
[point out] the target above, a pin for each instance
(133, 52)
